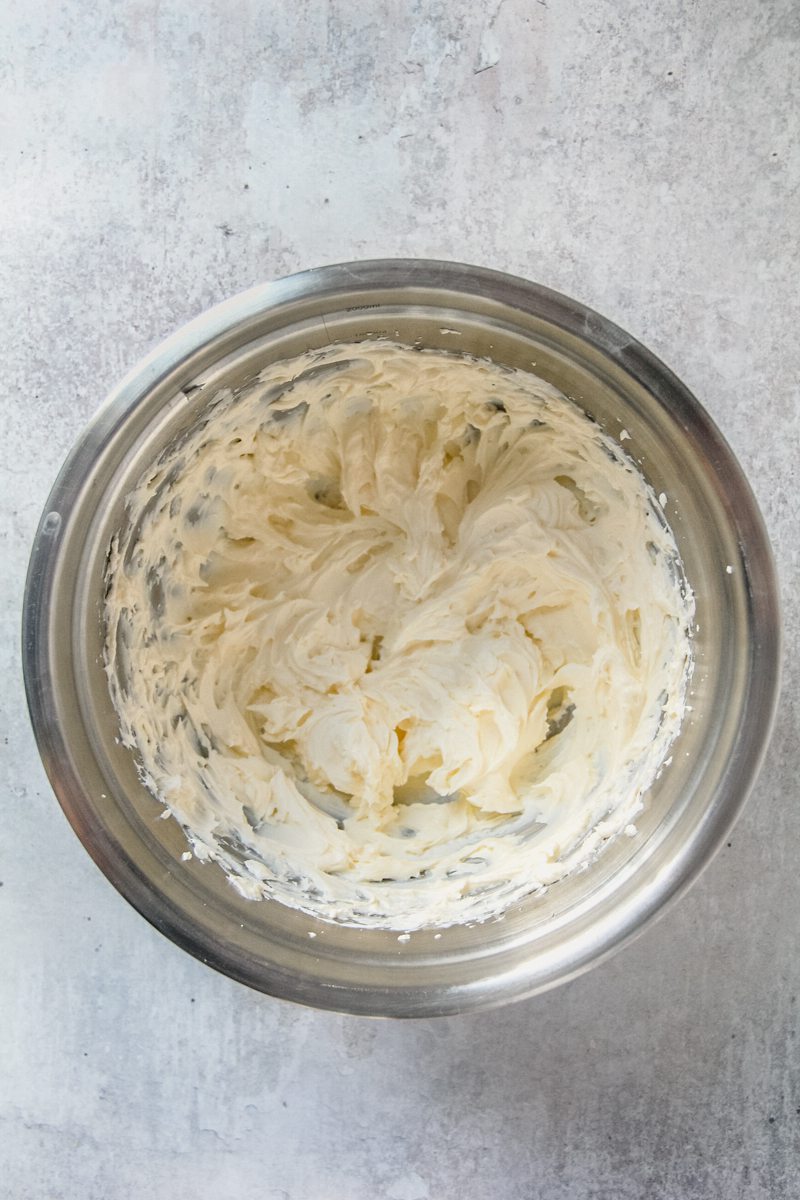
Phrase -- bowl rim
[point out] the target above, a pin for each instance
(764, 618)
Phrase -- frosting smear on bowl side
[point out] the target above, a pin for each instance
(398, 637)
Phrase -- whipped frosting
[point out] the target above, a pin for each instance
(398, 637)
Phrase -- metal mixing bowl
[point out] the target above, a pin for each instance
(582, 919)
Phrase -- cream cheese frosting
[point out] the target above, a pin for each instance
(398, 637)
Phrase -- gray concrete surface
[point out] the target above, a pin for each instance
(159, 155)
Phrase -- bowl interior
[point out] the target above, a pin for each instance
(546, 938)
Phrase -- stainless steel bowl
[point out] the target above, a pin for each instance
(586, 916)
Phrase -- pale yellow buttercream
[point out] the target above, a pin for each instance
(398, 637)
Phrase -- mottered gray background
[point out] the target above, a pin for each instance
(157, 156)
